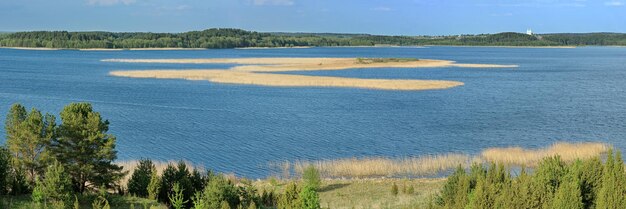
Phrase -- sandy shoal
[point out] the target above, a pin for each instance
(254, 71)
(266, 79)
(309, 64)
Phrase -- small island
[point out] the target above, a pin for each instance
(255, 71)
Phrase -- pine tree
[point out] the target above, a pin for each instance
(140, 179)
(154, 185)
(84, 147)
(568, 195)
(591, 181)
(27, 136)
(612, 194)
(55, 185)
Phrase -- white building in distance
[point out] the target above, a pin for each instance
(529, 32)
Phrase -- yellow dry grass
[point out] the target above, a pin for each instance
(434, 164)
(254, 72)
(530, 157)
(385, 167)
(264, 79)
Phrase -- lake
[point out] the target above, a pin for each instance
(555, 95)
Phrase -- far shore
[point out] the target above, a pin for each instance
(294, 47)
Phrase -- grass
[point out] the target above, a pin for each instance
(385, 167)
(115, 201)
(435, 164)
(368, 193)
(530, 157)
(384, 60)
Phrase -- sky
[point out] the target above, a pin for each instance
(384, 17)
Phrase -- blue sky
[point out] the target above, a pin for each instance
(391, 17)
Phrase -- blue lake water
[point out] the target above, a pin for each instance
(555, 95)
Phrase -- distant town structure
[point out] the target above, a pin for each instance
(529, 32)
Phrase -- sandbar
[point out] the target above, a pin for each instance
(256, 71)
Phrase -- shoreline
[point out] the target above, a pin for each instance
(295, 47)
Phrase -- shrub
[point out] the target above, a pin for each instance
(309, 199)
(177, 198)
(220, 190)
(154, 185)
(140, 179)
(289, 200)
(311, 177)
(55, 185)
(394, 189)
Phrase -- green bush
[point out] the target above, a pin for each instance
(154, 186)
(311, 177)
(55, 185)
(289, 199)
(309, 199)
(176, 197)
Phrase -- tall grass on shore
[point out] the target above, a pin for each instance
(385, 167)
(530, 157)
(435, 164)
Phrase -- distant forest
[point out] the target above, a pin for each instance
(235, 38)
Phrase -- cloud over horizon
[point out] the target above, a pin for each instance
(110, 2)
(273, 2)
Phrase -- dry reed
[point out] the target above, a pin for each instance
(385, 167)
(530, 157)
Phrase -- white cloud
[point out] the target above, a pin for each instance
(273, 2)
(508, 14)
(110, 2)
(382, 9)
(614, 3)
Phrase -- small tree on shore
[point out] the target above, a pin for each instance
(85, 148)
(140, 179)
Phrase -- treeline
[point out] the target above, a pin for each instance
(60, 165)
(236, 38)
(553, 184)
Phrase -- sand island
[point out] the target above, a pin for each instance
(261, 71)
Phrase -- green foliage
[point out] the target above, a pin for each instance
(553, 184)
(55, 185)
(613, 191)
(309, 199)
(232, 38)
(84, 147)
(177, 198)
(100, 203)
(568, 195)
(220, 190)
(5, 171)
(140, 179)
(198, 201)
(225, 205)
(289, 199)
(27, 136)
(311, 177)
(154, 186)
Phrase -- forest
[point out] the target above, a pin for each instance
(220, 38)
